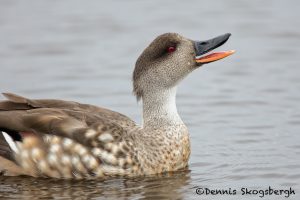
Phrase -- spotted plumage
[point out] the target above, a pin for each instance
(63, 139)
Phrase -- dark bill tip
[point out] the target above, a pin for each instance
(202, 47)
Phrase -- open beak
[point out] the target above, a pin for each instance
(203, 47)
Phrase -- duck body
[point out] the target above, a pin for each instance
(64, 139)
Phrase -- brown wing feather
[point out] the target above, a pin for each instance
(17, 102)
(57, 117)
(97, 131)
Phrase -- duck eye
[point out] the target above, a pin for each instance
(171, 49)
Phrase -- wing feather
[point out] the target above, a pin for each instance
(90, 126)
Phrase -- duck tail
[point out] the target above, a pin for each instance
(8, 165)
(7, 146)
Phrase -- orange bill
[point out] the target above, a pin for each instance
(214, 56)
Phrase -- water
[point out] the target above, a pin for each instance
(243, 112)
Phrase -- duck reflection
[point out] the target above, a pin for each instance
(164, 186)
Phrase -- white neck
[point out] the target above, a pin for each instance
(159, 108)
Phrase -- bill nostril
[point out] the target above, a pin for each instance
(203, 43)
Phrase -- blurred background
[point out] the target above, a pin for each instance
(243, 112)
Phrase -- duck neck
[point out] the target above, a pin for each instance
(159, 108)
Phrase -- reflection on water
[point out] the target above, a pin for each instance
(152, 187)
(243, 112)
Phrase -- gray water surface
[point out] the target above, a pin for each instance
(243, 112)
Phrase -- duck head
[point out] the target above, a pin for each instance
(171, 57)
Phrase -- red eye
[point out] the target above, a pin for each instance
(171, 49)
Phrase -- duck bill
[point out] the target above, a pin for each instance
(214, 57)
(203, 47)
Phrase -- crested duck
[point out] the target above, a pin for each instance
(63, 139)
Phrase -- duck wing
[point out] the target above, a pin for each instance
(16, 102)
(75, 130)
